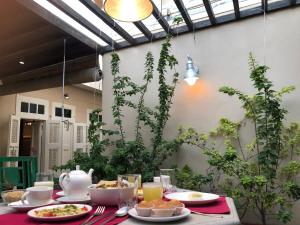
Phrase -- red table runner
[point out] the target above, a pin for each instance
(218, 207)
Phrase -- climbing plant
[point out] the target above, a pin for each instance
(133, 155)
(261, 174)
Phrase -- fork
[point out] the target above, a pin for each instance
(209, 215)
(99, 211)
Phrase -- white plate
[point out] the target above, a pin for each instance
(32, 215)
(68, 199)
(25, 207)
(60, 193)
(185, 213)
(184, 197)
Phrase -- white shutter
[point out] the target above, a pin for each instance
(52, 154)
(88, 144)
(13, 138)
(80, 137)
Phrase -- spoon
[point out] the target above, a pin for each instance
(120, 213)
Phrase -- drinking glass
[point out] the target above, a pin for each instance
(44, 179)
(128, 194)
(167, 179)
(152, 191)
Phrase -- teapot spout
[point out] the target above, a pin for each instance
(90, 172)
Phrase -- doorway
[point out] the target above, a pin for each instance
(31, 132)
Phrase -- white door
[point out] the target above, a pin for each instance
(13, 138)
(80, 137)
(53, 139)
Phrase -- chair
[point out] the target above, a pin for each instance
(17, 171)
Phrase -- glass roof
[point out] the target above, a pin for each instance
(196, 10)
(222, 7)
(248, 4)
(152, 24)
(169, 11)
(77, 6)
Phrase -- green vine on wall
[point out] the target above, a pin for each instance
(261, 174)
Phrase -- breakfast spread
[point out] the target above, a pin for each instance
(67, 210)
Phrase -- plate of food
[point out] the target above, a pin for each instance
(192, 197)
(59, 212)
(159, 211)
(110, 193)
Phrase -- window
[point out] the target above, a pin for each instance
(24, 107)
(31, 108)
(67, 112)
(41, 109)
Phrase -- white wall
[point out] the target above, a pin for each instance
(222, 55)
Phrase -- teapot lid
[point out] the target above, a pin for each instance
(78, 171)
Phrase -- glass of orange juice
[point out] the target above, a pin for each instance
(152, 191)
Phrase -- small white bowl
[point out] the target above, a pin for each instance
(142, 211)
(163, 212)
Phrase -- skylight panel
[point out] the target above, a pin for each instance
(63, 16)
(130, 28)
(249, 4)
(80, 8)
(169, 11)
(152, 24)
(222, 7)
(196, 10)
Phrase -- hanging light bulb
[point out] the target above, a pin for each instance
(192, 72)
(128, 10)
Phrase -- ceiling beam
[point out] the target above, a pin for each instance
(109, 21)
(210, 12)
(160, 18)
(36, 8)
(84, 22)
(264, 5)
(75, 65)
(144, 30)
(37, 36)
(236, 9)
(184, 13)
(53, 80)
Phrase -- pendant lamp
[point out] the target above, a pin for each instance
(192, 72)
(128, 10)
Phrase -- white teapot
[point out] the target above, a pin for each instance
(76, 182)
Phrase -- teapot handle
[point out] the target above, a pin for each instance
(61, 183)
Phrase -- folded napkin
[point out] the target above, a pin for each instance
(218, 207)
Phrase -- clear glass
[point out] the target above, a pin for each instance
(152, 191)
(167, 179)
(222, 7)
(196, 10)
(44, 179)
(128, 194)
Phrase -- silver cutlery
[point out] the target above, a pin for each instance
(120, 213)
(209, 215)
(100, 218)
(99, 211)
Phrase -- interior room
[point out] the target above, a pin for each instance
(150, 112)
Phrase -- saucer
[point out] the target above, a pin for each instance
(25, 207)
(68, 199)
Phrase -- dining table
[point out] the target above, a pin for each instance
(231, 218)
